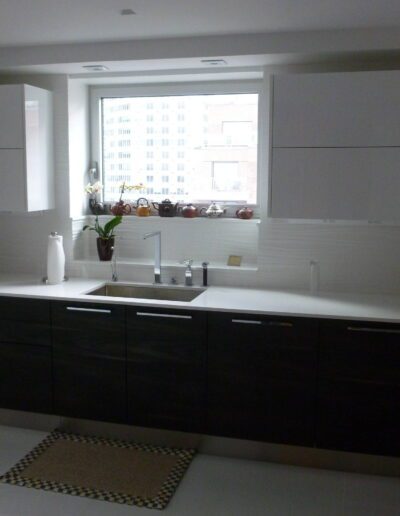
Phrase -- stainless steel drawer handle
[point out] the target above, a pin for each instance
(167, 316)
(371, 330)
(95, 310)
(246, 321)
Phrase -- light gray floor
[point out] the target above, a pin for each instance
(216, 486)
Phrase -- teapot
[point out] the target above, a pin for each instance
(166, 208)
(143, 208)
(121, 208)
(189, 211)
(213, 211)
(244, 213)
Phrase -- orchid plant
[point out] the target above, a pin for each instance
(107, 231)
(128, 188)
(93, 189)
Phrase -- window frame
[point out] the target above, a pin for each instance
(97, 92)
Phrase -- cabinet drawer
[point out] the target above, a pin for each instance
(90, 328)
(360, 351)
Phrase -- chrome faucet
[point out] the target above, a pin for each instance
(188, 273)
(157, 254)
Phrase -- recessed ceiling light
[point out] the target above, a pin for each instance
(214, 62)
(127, 12)
(95, 68)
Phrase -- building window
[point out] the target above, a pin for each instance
(213, 147)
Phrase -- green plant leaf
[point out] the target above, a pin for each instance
(111, 225)
(107, 231)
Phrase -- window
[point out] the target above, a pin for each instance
(210, 139)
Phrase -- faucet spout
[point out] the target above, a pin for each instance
(157, 254)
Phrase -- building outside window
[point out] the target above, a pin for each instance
(218, 154)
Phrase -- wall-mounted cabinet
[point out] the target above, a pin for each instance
(343, 183)
(353, 109)
(336, 146)
(26, 149)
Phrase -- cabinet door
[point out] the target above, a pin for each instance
(25, 377)
(262, 377)
(356, 109)
(166, 368)
(25, 355)
(348, 184)
(359, 387)
(89, 361)
(12, 116)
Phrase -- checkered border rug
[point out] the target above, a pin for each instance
(15, 475)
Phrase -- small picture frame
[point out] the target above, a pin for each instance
(234, 261)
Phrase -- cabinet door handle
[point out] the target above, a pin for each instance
(95, 310)
(372, 330)
(246, 321)
(167, 316)
(269, 323)
(280, 323)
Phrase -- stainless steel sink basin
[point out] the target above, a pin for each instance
(148, 292)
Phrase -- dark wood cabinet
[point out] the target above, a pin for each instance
(359, 387)
(166, 368)
(25, 355)
(333, 384)
(89, 361)
(262, 377)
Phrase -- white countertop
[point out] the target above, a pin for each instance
(372, 307)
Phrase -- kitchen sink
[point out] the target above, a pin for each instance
(147, 292)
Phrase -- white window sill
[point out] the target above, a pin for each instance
(166, 264)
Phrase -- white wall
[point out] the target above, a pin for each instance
(352, 257)
(24, 236)
(79, 137)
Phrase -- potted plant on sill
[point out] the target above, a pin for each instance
(105, 239)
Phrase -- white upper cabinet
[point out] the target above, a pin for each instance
(26, 149)
(341, 184)
(12, 133)
(352, 109)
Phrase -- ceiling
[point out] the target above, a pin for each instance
(27, 22)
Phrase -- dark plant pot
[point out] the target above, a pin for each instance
(105, 249)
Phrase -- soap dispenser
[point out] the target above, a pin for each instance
(55, 259)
